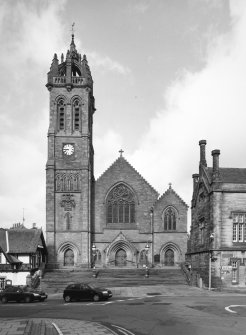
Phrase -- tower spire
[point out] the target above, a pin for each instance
(72, 45)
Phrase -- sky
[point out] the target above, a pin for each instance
(167, 73)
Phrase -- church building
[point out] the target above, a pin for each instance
(118, 220)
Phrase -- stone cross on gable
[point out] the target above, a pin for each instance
(170, 185)
(121, 152)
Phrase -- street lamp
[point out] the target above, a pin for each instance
(152, 235)
(210, 262)
(94, 251)
(146, 260)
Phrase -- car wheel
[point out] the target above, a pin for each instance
(42, 299)
(28, 299)
(67, 298)
(96, 297)
(4, 300)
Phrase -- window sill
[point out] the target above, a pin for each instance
(121, 226)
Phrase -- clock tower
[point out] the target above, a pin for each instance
(69, 168)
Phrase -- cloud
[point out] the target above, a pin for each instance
(108, 147)
(209, 104)
(107, 64)
(30, 31)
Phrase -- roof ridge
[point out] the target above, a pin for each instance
(123, 158)
(107, 169)
(170, 189)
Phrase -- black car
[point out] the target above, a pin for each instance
(21, 293)
(83, 291)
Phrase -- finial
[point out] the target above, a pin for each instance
(170, 185)
(72, 45)
(23, 219)
(73, 29)
(121, 152)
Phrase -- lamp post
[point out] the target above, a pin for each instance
(210, 262)
(94, 249)
(146, 260)
(152, 235)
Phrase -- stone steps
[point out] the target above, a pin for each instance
(56, 281)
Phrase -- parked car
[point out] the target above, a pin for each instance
(82, 291)
(21, 293)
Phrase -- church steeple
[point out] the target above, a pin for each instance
(72, 72)
(70, 163)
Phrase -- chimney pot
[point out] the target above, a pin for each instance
(202, 144)
(215, 153)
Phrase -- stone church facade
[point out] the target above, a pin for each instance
(119, 220)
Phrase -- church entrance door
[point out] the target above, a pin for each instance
(69, 258)
(120, 258)
(169, 258)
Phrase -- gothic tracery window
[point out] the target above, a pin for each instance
(68, 182)
(170, 219)
(120, 205)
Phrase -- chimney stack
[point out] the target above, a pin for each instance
(215, 153)
(202, 144)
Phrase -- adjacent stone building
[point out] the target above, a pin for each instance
(118, 220)
(217, 243)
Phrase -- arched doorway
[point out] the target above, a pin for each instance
(169, 257)
(69, 257)
(120, 258)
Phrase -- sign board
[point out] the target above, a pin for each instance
(226, 268)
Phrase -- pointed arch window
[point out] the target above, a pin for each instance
(170, 218)
(61, 114)
(76, 115)
(120, 205)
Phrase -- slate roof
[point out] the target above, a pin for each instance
(3, 244)
(22, 240)
(11, 259)
(231, 175)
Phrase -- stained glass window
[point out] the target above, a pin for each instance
(170, 219)
(120, 205)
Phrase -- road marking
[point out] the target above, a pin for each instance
(108, 302)
(228, 308)
(57, 329)
(123, 330)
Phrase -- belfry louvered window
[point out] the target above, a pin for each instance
(61, 114)
(120, 205)
(76, 115)
(170, 219)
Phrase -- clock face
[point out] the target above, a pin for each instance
(68, 149)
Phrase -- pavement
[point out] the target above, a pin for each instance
(11, 326)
